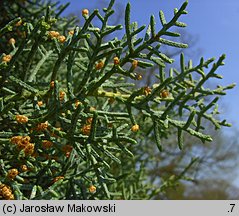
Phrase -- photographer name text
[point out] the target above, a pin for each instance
(82, 208)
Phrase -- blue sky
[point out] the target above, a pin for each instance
(215, 24)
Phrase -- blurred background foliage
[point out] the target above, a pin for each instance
(199, 171)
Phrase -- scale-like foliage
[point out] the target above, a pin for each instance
(68, 115)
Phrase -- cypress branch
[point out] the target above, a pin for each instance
(78, 108)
